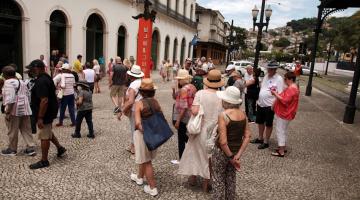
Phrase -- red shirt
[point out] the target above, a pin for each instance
(287, 106)
(297, 70)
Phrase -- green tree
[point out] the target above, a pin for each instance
(282, 42)
(241, 35)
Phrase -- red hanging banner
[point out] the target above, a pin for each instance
(144, 46)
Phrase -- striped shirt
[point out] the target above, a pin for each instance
(67, 83)
(18, 95)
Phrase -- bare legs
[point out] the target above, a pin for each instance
(45, 145)
(147, 170)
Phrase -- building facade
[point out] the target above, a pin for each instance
(92, 28)
(212, 35)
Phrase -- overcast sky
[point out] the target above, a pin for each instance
(240, 10)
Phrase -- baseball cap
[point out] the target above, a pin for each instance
(36, 63)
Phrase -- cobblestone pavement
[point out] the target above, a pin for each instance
(322, 163)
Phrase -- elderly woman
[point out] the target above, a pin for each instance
(184, 96)
(195, 160)
(233, 138)
(132, 96)
(285, 109)
(143, 157)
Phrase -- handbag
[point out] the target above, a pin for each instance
(156, 129)
(194, 124)
(60, 94)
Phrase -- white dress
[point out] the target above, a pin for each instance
(195, 159)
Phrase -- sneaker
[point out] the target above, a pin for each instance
(30, 152)
(263, 146)
(39, 165)
(61, 152)
(92, 136)
(134, 177)
(75, 135)
(152, 192)
(256, 141)
(8, 152)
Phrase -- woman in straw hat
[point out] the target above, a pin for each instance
(132, 96)
(184, 98)
(143, 156)
(233, 138)
(196, 160)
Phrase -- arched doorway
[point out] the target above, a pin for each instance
(155, 48)
(182, 51)
(175, 50)
(58, 24)
(167, 47)
(94, 37)
(11, 34)
(121, 42)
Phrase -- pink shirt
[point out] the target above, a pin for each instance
(286, 107)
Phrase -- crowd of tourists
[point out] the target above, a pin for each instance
(212, 128)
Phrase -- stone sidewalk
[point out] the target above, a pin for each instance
(322, 163)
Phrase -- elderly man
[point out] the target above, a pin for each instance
(17, 114)
(265, 115)
(117, 84)
(251, 93)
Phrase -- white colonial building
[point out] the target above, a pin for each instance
(93, 28)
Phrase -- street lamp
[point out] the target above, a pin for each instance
(230, 35)
(261, 24)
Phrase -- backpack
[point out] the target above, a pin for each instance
(198, 82)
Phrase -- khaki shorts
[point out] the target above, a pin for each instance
(45, 133)
(117, 90)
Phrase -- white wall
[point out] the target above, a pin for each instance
(114, 13)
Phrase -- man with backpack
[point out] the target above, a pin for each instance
(45, 107)
(17, 112)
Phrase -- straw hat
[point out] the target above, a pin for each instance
(230, 95)
(183, 74)
(213, 79)
(66, 66)
(136, 72)
(147, 84)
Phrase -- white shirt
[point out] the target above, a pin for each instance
(135, 85)
(45, 63)
(89, 75)
(205, 67)
(57, 79)
(248, 77)
(266, 99)
(67, 83)
(97, 69)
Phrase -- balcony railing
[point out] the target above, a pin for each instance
(161, 8)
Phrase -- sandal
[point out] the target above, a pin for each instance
(277, 154)
(277, 149)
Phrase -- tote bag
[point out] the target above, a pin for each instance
(194, 124)
(156, 129)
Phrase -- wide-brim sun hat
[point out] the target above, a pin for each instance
(272, 65)
(183, 74)
(136, 71)
(66, 66)
(230, 95)
(83, 83)
(213, 79)
(147, 84)
(230, 67)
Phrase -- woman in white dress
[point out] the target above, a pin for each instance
(195, 160)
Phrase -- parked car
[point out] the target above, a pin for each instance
(305, 70)
(240, 66)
